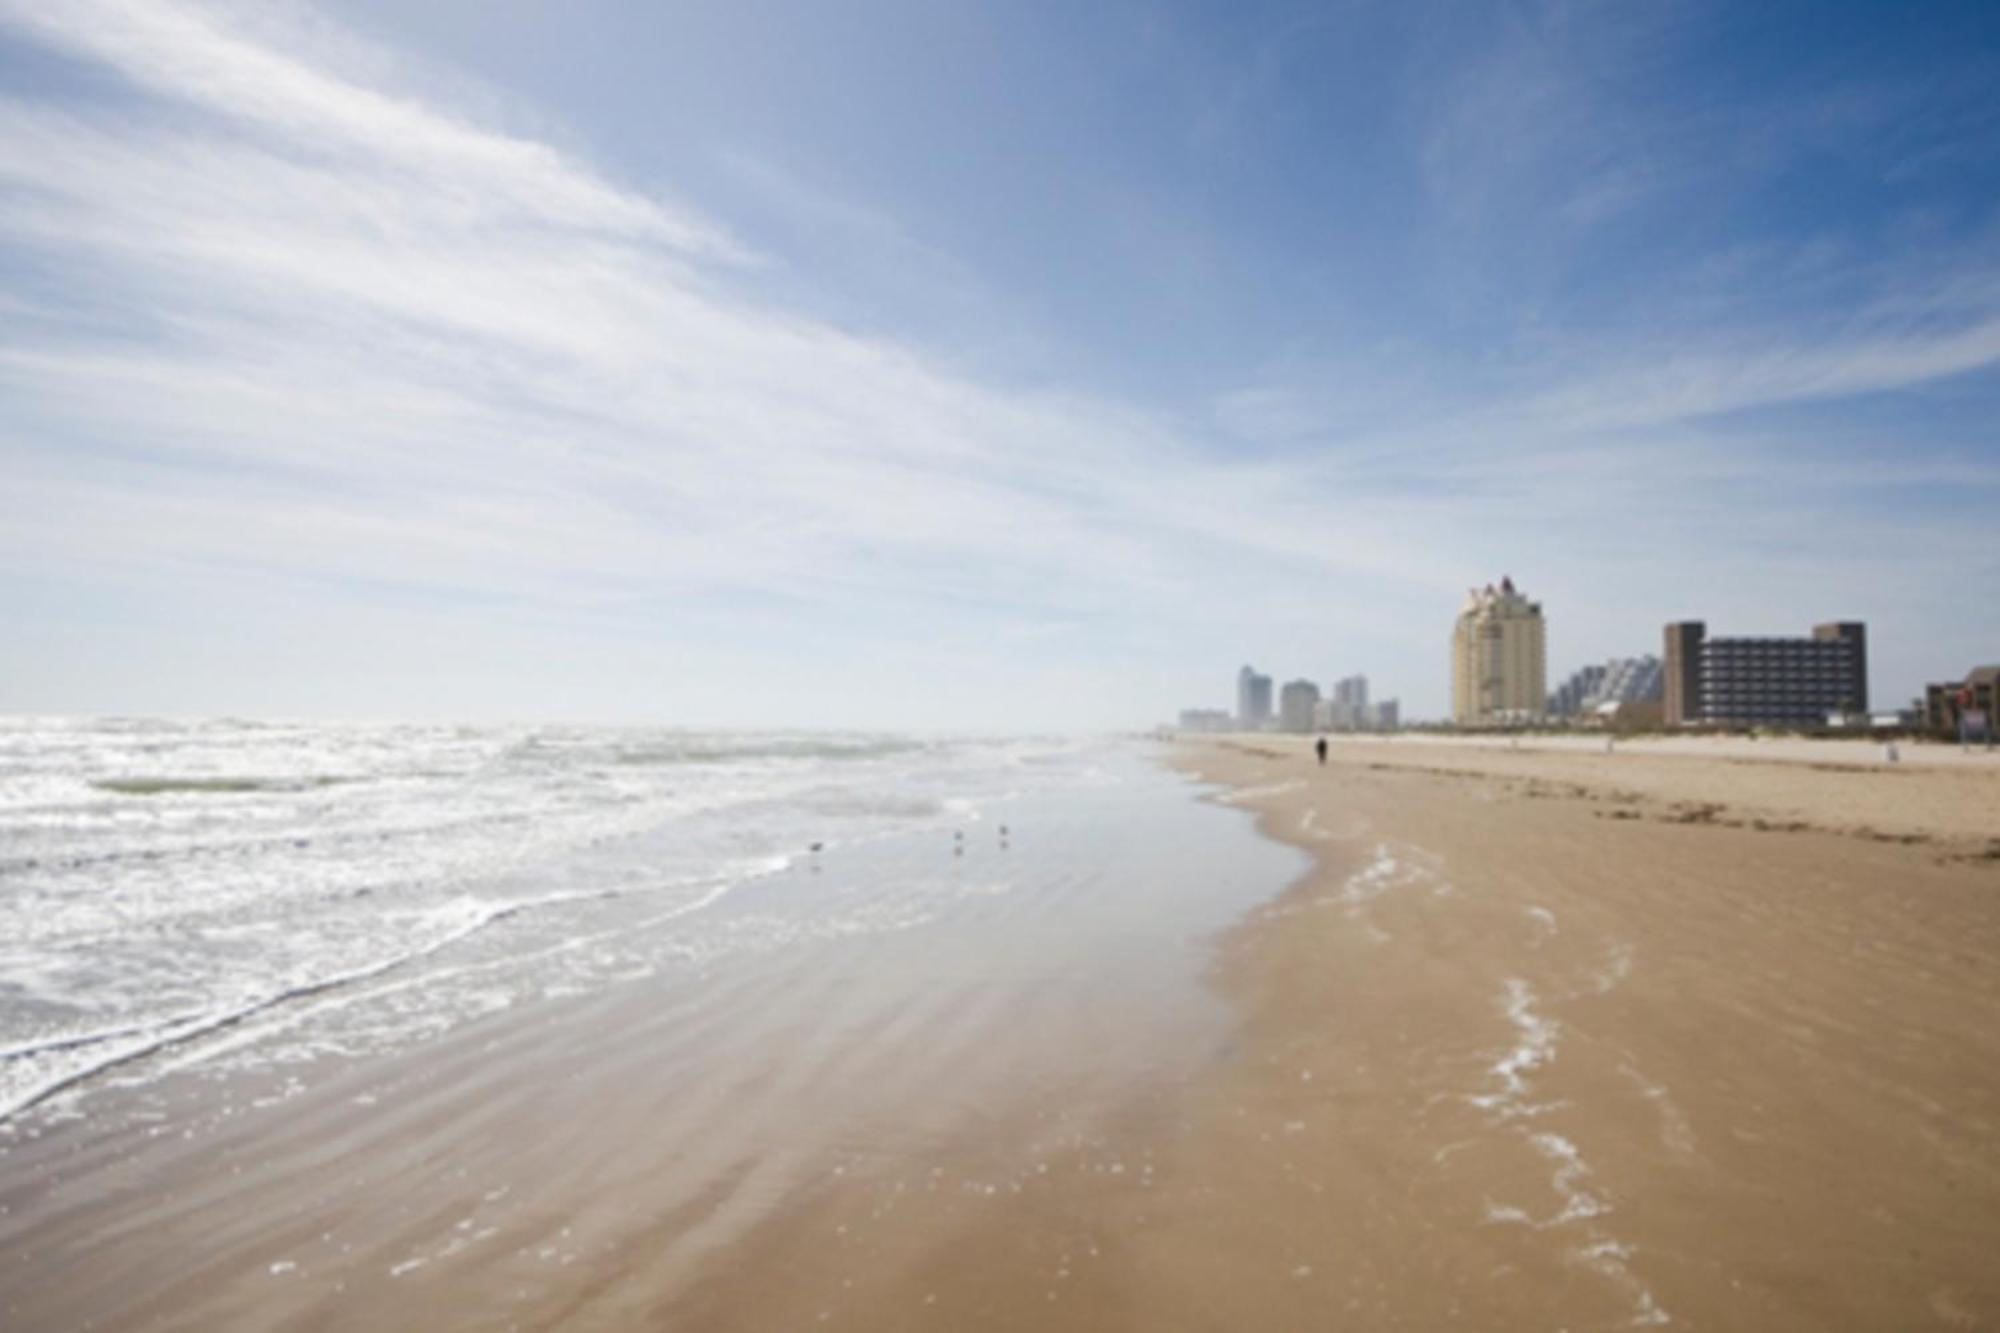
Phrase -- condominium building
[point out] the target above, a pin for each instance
(1253, 699)
(1296, 705)
(1567, 701)
(1622, 680)
(1801, 682)
(1498, 670)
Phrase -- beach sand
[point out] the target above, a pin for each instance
(1543, 1041)
(1540, 1040)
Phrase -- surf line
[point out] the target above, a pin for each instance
(179, 1031)
(1538, 1037)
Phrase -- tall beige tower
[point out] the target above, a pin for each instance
(1498, 672)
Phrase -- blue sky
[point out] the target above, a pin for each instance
(1011, 365)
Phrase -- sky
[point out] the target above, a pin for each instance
(981, 366)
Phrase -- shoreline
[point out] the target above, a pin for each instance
(1498, 1062)
(583, 1159)
(1498, 1055)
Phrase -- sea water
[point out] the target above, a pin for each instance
(221, 894)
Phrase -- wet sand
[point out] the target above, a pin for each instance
(1536, 1042)
(1540, 1051)
(584, 1160)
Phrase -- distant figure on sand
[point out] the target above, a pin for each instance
(1320, 747)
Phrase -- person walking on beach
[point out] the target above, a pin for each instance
(1320, 747)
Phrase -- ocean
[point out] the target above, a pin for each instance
(225, 896)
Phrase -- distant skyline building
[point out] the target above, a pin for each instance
(1976, 698)
(1300, 707)
(1297, 703)
(1498, 658)
(1629, 680)
(1567, 701)
(1253, 699)
(1795, 682)
(1622, 680)
(1383, 715)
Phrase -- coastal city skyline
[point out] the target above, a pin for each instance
(1497, 662)
(736, 369)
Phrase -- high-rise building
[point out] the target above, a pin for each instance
(1253, 699)
(1347, 708)
(1352, 691)
(1802, 682)
(1628, 680)
(1622, 680)
(1567, 701)
(1498, 673)
(1296, 703)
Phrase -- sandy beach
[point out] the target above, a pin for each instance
(1543, 1041)
(1540, 1040)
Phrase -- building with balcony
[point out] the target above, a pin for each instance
(1802, 682)
(1498, 650)
(1622, 680)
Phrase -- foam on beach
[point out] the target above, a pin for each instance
(1581, 1206)
(175, 894)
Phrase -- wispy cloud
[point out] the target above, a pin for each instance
(314, 329)
(361, 338)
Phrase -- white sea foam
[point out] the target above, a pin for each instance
(1581, 1206)
(174, 891)
(1258, 792)
(1535, 1047)
(1571, 1172)
(1374, 879)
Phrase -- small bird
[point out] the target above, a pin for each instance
(815, 847)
